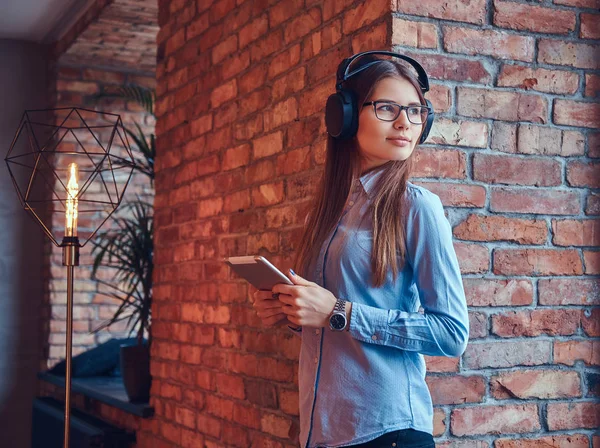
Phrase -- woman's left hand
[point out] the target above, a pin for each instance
(305, 303)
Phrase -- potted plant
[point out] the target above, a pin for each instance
(128, 249)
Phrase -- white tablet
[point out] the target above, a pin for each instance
(258, 271)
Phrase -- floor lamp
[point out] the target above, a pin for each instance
(70, 168)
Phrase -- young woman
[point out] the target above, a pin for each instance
(375, 250)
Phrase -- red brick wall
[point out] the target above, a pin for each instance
(241, 142)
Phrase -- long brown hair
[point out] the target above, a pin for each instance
(342, 166)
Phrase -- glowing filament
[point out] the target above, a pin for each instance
(71, 211)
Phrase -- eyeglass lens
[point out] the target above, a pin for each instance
(391, 111)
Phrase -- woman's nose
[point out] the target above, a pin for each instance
(402, 119)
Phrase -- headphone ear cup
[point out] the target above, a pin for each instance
(341, 115)
(428, 123)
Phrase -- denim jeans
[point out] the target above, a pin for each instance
(403, 438)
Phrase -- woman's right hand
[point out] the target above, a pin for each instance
(269, 308)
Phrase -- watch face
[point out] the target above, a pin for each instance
(337, 321)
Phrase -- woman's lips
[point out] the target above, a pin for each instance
(399, 142)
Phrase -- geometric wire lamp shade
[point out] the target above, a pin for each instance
(70, 167)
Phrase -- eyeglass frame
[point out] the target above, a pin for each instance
(374, 103)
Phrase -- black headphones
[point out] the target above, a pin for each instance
(341, 111)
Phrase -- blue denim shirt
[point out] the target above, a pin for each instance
(357, 385)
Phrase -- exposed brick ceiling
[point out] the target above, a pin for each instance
(123, 36)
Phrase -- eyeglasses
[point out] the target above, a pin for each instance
(390, 111)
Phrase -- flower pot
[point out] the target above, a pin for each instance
(135, 369)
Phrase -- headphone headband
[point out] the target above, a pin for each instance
(343, 75)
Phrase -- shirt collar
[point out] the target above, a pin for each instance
(369, 179)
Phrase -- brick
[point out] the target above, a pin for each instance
(236, 157)
(283, 11)
(539, 172)
(364, 14)
(569, 291)
(570, 232)
(253, 30)
(504, 137)
(537, 262)
(88, 88)
(301, 25)
(440, 364)
(554, 322)
(289, 84)
(257, 100)
(223, 93)
(533, 18)
(573, 415)
(219, 9)
(592, 204)
(201, 125)
(532, 139)
(592, 85)
(573, 54)
(239, 200)
(472, 12)
(493, 292)
(499, 44)
(267, 241)
(289, 401)
(313, 101)
(331, 34)
(457, 195)
(267, 194)
(276, 425)
(582, 174)
(542, 384)
(210, 207)
(452, 68)
(440, 97)
(472, 258)
(458, 443)
(230, 385)
(456, 389)
(500, 228)
(494, 420)
(280, 114)
(267, 45)
(458, 133)
(499, 105)
(414, 34)
(371, 37)
(296, 160)
(540, 79)
(245, 130)
(568, 352)
(591, 261)
(267, 145)
(575, 113)
(553, 441)
(531, 200)
(483, 355)
(235, 64)
(443, 163)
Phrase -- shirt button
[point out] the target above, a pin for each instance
(394, 444)
(316, 360)
(374, 337)
(317, 331)
(351, 203)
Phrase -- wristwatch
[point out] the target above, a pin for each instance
(337, 319)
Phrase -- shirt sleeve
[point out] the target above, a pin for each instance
(443, 328)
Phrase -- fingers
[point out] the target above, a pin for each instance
(285, 289)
